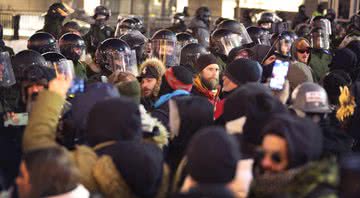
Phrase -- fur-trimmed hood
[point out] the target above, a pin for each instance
(160, 68)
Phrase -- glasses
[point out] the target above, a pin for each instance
(274, 156)
(302, 51)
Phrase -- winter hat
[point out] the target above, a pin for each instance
(255, 103)
(175, 78)
(187, 114)
(212, 156)
(332, 83)
(304, 138)
(83, 102)
(345, 59)
(113, 119)
(130, 89)
(203, 61)
(298, 73)
(243, 70)
(235, 52)
(152, 68)
(130, 158)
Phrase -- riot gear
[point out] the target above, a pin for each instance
(25, 59)
(53, 57)
(268, 18)
(7, 77)
(100, 12)
(189, 54)
(115, 54)
(319, 39)
(163, 47)
(279, 27)
(259, 35)
(330, 14)
(178, 18)
(137, 41)
(204, 14)
(303, 30)
(72, 46)
(57, 10)
(124, 26)
(232, 25)
(185, 38)
(283, 44)
(310, 98)
(222, 41)
(42, 42)
(355, 22)
(139, 25)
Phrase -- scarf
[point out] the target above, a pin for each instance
(212, 95)
(163, 99)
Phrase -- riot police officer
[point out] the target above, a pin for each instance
(54, 18)
(125, 26)
(178, 23)
(184, 38)
(267, 19)
(115, 55)
(259, 36)
(72, 46)
(137, 41)
(200, 25)
(320, 54)
(42, 42)
(99, 31)
(163, 47)
(189, 54)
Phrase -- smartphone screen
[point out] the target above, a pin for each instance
(279, 74)
(77, 86)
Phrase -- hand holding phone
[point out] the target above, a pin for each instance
(279, 73)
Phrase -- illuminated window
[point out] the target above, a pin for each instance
(90, 5)
(227, 9)
(280, 5)
(180, 4)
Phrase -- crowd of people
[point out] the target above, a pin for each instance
(261, 110)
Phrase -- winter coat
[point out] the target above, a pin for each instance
(97, 173)
(210, 191)
(318, 179)
(319, 63)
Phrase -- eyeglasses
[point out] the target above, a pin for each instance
(274, 156)
(302, 51)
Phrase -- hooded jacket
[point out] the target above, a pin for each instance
(96, 173)
(193, 113)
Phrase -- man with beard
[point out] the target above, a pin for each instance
(206, 82)
(151, 72)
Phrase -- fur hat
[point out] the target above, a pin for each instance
(153, 68)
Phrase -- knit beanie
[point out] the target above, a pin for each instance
(212, 156)
(203, 61)
(345, 59)
(179, 77)
(113, 120)
(332, 82)
(299, 73)
(243, 70)
(130, 89)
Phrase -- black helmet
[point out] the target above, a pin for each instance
(189, 54)
(267, 17)
(178, 18)
(184, 38)
(222, 41)
(219, 20)
(124, 26)
(115, 54)
(72, 46)
(232, 25)
(330, 14)
(57, 10)
(53, 56)
(203, 13)
(310, 98)
(136, 40)
(302, 30)
(259, 35)
(37, 74)
(25, 59)
(102, 10)
(139, 25)
(42, 42)
(164, 46)
(283, 45)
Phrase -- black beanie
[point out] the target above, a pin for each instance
(243, 70)
(332, 82)
(183, 74)
(203, 61)
(113, 119)
(212, 156)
